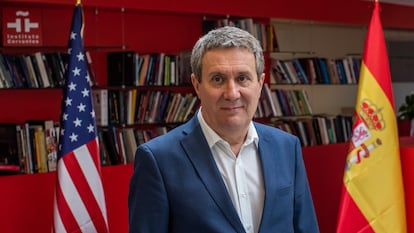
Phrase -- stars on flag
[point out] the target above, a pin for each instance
(78, 117)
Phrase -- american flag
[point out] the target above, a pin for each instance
(79, 196)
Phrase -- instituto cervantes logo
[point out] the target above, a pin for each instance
(22, 27)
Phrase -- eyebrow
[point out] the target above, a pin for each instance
(246, 73)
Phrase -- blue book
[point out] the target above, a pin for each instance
(341, 71)
(300, 71)
(324, 71)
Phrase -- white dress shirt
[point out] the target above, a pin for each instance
(242, 174)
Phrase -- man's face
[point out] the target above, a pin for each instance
(229, 90)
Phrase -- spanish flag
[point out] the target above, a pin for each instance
(373, 194)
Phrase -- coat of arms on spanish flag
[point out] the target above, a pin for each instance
(373, 193)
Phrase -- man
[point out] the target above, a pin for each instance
(220, 172)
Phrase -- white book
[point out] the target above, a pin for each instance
(347, 71)
(154, 107)
(268, 96)
(161, 70)
(323, 130)
(130, 144)
(42, 69)
(276, 103)
(302, 133)
(31, 71)
(173, 72)
(100, 106)
(190, 107)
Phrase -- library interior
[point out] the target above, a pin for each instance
(137, 54)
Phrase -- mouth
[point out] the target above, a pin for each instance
(235, 108)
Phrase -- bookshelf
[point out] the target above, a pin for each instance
(144, 27)
(308, 39)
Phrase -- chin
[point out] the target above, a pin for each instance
(235, 123)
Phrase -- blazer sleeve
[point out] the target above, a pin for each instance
(304, 213)
(147, 201)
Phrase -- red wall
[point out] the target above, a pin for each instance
(351, 11)
(28, 199)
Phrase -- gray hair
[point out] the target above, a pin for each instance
(226, 37)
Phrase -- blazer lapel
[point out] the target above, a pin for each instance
(266, 151)
(198, 152)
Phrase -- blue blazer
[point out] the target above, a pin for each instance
(177, 187)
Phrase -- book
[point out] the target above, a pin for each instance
(22, 71)
(40, 149)
(38, 56)
(91, 71)
(173, 69)
(100, 106)
(323, 129)
(163, 106)
(276, 103)
(319, 79)
(15, 75)
(324, 71)
(51, 144)
(116, 107)
(142, 80)
(301, 74)
(333, 71)
(155, 106)
(307, 121)
(31, 72)
(10, 147)
(185, 68)
(281, 96)
(278, 73)
(121, 68)
(341, 71)
(290, 71)
(191, 108)
(120, 144)
(160, 69)
(172, 106)
(5, 75)
(130, 144)
(36, 135)
(266, 99)
(131, 106)
(302, 134)
(184, 107)
(108, 140)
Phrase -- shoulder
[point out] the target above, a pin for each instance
(263, 129)
(176, 135)
(269, 135)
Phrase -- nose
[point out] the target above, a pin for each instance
(232, 90)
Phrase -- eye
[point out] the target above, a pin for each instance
(243, 79)
(217, 79)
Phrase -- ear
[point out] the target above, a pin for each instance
(195, 83)
(261, 80)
